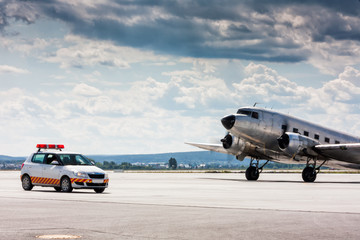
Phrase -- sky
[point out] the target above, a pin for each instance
(137, 76)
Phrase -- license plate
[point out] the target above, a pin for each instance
(97, 180)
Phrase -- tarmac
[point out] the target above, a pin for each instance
(185, 206)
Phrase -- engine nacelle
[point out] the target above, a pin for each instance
(295, 144)
(233, 144)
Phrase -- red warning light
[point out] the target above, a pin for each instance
(41, 146)
(50, 146)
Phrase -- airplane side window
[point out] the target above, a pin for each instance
(295, 130)
(316, 136)
(327, 139)
(306, 133)
(255, 115)
(337, 142)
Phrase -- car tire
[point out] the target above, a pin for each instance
(65, 185)
(26, 183)
(99, 190)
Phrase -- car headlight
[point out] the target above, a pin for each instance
(106, 175)
(80, 174)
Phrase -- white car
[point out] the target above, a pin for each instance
(52, 167)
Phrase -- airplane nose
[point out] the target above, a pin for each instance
(228, 121)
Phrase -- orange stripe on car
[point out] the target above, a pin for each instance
(49, 181)
(82, 180)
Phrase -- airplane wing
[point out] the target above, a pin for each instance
(344, 152)
(211, 147)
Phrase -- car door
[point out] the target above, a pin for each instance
(51, 170)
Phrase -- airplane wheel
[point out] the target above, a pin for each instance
(309, 174)
(252, 174)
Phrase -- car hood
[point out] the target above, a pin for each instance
(87, 169)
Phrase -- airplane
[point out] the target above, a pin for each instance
(264, 134)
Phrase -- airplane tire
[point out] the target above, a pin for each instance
(309, 174)
(252, 174)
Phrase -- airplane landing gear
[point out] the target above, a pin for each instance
(309, 174)
(253, 171)
(310, 171)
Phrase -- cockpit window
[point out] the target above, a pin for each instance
(248, 113)
(240, 111)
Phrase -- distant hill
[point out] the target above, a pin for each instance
(198, 157)
(4, 158)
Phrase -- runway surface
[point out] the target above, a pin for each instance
(187, 206)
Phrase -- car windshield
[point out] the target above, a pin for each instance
(74, 159)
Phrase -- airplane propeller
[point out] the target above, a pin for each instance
(227, 141)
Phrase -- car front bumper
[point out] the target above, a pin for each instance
(89, 183)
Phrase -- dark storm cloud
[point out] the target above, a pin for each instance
(21, 11)
(252, 30)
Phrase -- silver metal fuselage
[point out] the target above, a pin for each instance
(261, 131)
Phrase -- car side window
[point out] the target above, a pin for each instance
(51, 158)
(38, 158)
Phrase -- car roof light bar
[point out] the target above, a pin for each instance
(50, 146)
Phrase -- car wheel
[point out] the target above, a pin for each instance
(99, 190)
(26, 183)
(58, 189)
(65, 184)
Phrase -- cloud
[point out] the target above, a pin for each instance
(85, 90)
(91, 122)
(81, 52)
(11, 9)
(281, 31)
(266, 86)
(4, 69)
